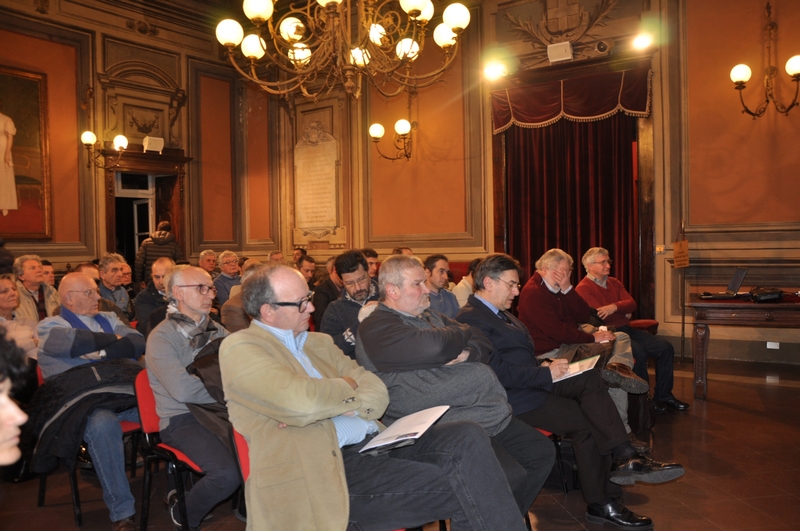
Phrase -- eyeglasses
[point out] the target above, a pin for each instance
(89, 292)
(231, 262)
(202, 288)
(356, 282)
(510, 283)
(604, 262)
(301, 304)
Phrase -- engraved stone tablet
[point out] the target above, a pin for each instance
(315, 158)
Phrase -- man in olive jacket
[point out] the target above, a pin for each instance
(306, 410)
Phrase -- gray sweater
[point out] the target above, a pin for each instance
(168, 355)
(409, 354)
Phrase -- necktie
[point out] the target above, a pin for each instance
(40, 305)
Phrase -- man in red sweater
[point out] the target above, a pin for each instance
(614, 304)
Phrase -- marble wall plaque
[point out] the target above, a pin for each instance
(316, 157)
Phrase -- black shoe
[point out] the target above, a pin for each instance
(619, 375)
(639, 445)
(628, 471)
(672, 403)
(616, 514)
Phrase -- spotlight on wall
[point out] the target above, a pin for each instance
(642, 41)
(740, 74)
(89, 141)
(494, 70)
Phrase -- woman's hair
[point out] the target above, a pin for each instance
(12, 360)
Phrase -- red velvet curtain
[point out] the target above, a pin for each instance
(572, 185)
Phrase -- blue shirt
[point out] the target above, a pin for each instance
(445, 303)
(118, 296)
(349, 430)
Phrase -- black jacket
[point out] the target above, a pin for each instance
(512, 358)
(213, 416)
(146, 301)
(326, 293)
(61, 406)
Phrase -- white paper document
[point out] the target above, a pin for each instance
(404, 431)
(579, 367)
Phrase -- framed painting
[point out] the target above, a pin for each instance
(25, 209)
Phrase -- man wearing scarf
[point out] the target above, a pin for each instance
(341, 318)
(79, 335)
(171, 347)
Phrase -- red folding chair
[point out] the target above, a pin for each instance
(154, 449)
(557, 442)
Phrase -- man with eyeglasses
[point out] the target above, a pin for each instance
(82, 335)
(171, 347)
(427, 359)
(578, 407)
(341, 318)
(553, 312)
(228, 277)
(306, 410)
(614, 305)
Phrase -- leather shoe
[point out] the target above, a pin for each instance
(619, 375)
(639, 445)
(616, 514)
(672, 403)
(627, 471)
(126, 524)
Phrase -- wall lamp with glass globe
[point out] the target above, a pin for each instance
(402, 138)
(741, 73)
(89, 141)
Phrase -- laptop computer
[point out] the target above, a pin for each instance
(733, 288)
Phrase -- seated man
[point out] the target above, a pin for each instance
(80, 335)
(341, 318)
(37, 299)
(153, 296)
(466, 286)
(372, 262)
(552, 311)
(275, 257)
(229, 277)
(442, 300)
(578, 407)
(297, 254)
(308, 267)
(208, 262)
(306, 410)
(326, 292)
(233, 315)
(614, 304)
(172, 346)
(49, 273)
(103, 305)
(111, 288)
(427, 359)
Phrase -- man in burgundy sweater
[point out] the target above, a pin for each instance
(614, 304)
(553, 312)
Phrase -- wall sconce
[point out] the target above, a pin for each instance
(402, 138)
(740, 74)
(89, 140)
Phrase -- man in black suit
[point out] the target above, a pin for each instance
(577, 407)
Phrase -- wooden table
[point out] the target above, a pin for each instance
(783, 314)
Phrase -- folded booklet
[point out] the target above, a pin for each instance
(404, 431)
(579, 367)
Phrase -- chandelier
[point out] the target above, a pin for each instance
(328, 43)
(740, 74)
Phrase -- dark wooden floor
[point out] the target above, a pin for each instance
(740, 447)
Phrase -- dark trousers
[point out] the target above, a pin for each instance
(450, 472)
(581, 409)
(646, 345)
(221, 477)
(526, 457)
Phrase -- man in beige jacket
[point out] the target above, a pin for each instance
(306, 410)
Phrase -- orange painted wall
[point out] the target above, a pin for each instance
(258, 196)
(740, 170)
(58, 62)
(426, 194)
(216, 158)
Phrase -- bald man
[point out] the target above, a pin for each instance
(81, 335)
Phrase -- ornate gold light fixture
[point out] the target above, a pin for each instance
(314, 48)
(740, 74)
(402, 137)
(89, 140)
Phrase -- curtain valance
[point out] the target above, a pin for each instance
(580, 99)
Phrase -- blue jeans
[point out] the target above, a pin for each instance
(205, 449)
(646, 345)
(103, 437)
